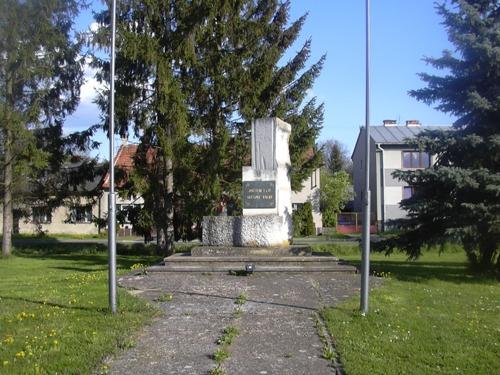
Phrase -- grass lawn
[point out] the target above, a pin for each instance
(54, 316)
(431, 316)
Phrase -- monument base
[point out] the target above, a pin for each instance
(251, 231)
(227, 251)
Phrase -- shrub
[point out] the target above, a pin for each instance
(303, 224)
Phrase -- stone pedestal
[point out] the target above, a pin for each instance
(270, 162)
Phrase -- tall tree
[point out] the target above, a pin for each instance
(153, 41)
(239, 75)
(335, 192)
(459, 197)
(336, 157)
(40, 78)
(220, 68)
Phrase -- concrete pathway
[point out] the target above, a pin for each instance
(277, 324)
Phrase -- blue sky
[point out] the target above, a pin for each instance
(403, 31)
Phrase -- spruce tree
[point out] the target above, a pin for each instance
(220, 62)
(40, 78)
(237, 76)
(153, 41)
(459, 197)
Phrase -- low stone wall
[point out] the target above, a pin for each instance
(256, 231)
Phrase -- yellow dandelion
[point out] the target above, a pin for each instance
(8, 340)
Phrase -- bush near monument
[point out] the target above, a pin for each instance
(303, 223)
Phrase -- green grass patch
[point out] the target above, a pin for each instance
(43, 235)
(429, 316)
(338, 249)
(241, 299)
(54, 314)
(228, 336)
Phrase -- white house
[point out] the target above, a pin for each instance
(389, 151)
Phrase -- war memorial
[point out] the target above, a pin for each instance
(260, 239)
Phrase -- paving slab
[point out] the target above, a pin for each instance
(277, 323)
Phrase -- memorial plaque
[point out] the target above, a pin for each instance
(259, 194)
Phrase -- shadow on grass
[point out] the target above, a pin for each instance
(59, 305)
(90, 255)
(415, 271)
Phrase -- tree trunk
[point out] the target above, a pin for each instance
(169, 206)
(165, 211)
(7, 195)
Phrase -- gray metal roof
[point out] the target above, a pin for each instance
(397, 134)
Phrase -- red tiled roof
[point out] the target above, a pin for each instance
(124, 160)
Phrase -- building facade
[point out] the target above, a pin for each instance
(389, 151)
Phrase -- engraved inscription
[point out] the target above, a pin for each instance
(259, 194)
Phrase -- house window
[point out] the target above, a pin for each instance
(314, 181)
(416, 159)
(81, 214)
(296, 206)
(408, 191)
(42, 215)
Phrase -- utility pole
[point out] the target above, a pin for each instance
(365, 258)
(111, 195)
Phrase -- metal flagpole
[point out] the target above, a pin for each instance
(111, 195)
(365, 259)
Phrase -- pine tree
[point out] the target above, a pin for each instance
(459, 197)
(336, 157)
(220, 65)
(153, 42)
(40, 78)
(235, 78)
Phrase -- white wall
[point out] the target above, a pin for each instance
(59, 223)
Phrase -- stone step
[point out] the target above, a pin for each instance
(188, 263)
(257, 268)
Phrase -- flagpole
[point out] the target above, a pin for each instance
(365, 258)
(111, 195)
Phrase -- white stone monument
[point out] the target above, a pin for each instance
(270, 168)
(267, 207)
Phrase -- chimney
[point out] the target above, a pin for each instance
(412, 123)
(390, 123)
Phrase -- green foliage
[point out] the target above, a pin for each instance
(40, 77)
(459, 197)
(336, 157)
(303, 224)
(191, 76)
(242, 298)
(335, 192)
(164, 298)
(230, 333)
(154, 43)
